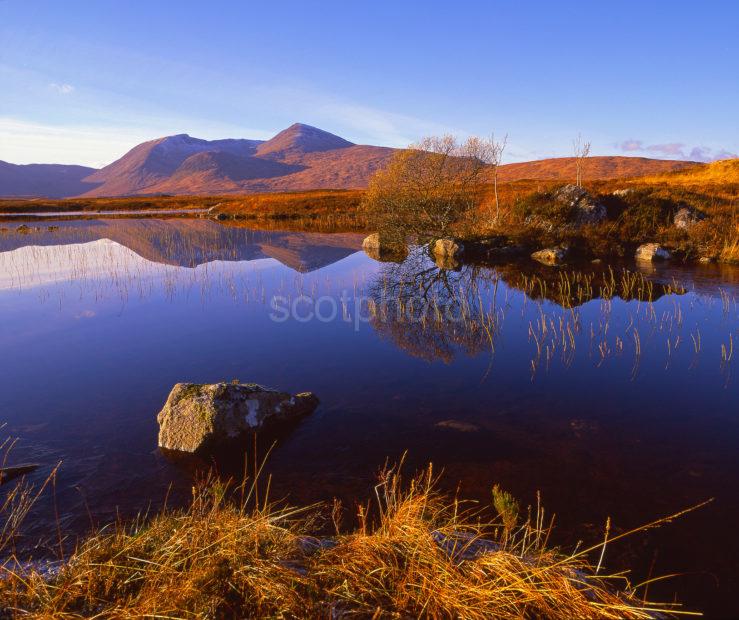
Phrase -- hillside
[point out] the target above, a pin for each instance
(155, 161)
(725, 171)
(594, 169)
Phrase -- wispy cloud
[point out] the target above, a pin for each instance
(675, 150)
(631, 145)
(24, 142)
(61, 89)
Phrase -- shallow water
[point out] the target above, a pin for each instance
(114, 213)
(612, 389)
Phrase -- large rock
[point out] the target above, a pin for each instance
(203, 416)
(381, 249)
(687, 217)
(447, 248)
(652, 252)
(551, 256)
(586, 210)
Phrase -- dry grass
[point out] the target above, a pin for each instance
(412, 554)
(721, 172)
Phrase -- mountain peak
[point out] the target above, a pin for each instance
(299, 139)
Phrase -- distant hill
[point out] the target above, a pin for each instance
(724, 171)
(298, 158)
(594, 168)
(50, 180)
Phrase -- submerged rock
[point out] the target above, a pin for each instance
(652, 252)
(687, 217)
(551, 256)
(202, 416)
(458, 425)
(9, 473)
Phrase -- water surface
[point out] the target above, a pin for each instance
(612, 389)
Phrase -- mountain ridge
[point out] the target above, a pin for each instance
(298, 158)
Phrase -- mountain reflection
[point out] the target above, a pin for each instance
(190, 242)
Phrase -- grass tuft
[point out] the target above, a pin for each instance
(412, 553)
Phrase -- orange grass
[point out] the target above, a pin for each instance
(413, 553)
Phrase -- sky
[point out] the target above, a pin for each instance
(84, 81)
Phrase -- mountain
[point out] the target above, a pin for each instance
(220, 172)
(155, 161)
(298, 140)
(298, 158)
(594, 168)
(51, 180)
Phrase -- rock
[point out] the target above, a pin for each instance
(652, 252)
(379, 248)
(550, 256)
(586, 210)
(202, 416)
(621, 193)
(447, 248)
(706, 260)
(8, 473)
(497, 246)
(23, 229)
(464, 546)
(458, 425)
(687, 217)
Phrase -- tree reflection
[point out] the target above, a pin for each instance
(434, 313)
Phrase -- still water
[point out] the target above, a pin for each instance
(612, 389)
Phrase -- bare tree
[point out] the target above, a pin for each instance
(581, 150)
(496, 158)
(427, 188)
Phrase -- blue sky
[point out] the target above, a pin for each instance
(82, 82)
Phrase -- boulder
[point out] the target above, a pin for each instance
(447, 248)
(586, 210)
(550, 256)
(687, 217)
(379, 248)
(621, 193)
(652, 252)
(203, 416)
